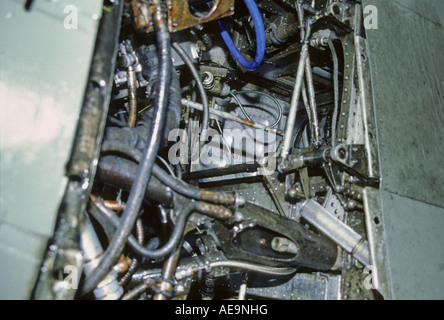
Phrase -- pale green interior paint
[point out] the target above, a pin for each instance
(43, 71)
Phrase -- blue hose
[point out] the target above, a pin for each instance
(260, 38)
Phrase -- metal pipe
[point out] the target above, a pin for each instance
(135, 262)
(230, 116)
(243, 286)
(278, 105)
(305, 34)
(168, 270)
(234, 264)
(307, 109)
(252, 267)
(132, 91)
(135, 292)
(312, 101)
(291, 120)
(336, 230)
(205, 107)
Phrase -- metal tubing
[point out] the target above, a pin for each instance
(135, 263)
(132, 90)
(168, 270)
(291, 120)
(185, 272)
(230, 116)
(312, 101)
(205, 107)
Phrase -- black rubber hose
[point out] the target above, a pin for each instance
(186, 58)
(148, 58)
(107, 217)
(110, 222)
(177, 185)
(120, 173)
(137, 193)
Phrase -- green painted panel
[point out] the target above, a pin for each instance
(415, 246)
(45, 56)
(407, 67)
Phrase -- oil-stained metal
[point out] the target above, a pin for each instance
(268, 182)
(215, 211)
(219, 197)
(281, 34)
(308, 157)
(179, 14)
(180, 17)
(230, 116)
(251, 240)
(142, 15)
(352, 156)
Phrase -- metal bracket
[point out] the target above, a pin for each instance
(351, 156)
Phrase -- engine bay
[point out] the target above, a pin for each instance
(225, 150)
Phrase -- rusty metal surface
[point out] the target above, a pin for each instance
(142, 15)
(218, 212)
(218, 197)
(179, 14)
(180, 17)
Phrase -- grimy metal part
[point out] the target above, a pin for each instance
(179, 14)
